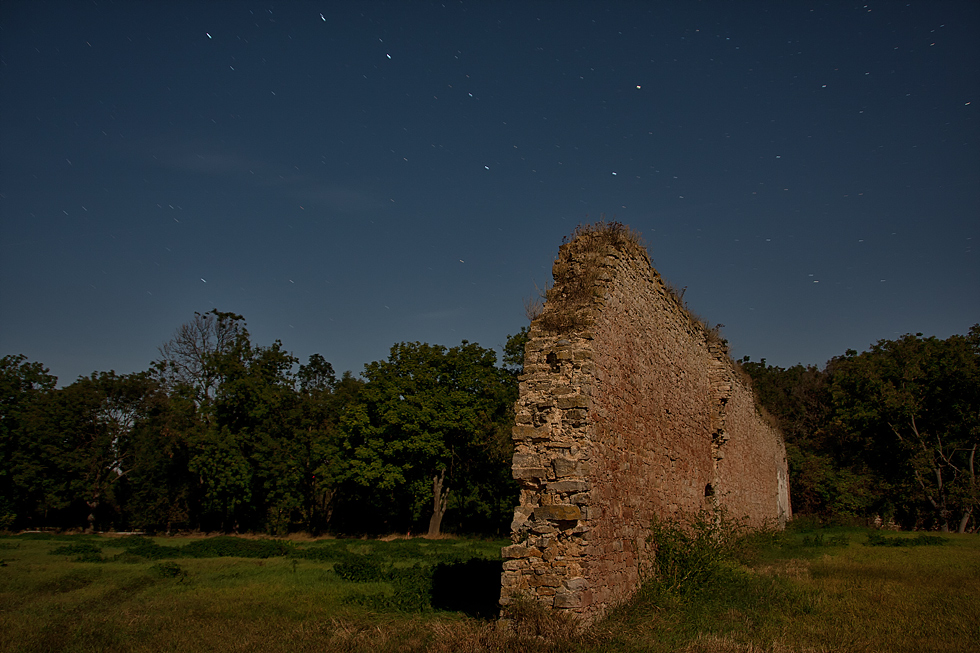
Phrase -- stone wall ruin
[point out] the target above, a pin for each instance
(629, 408)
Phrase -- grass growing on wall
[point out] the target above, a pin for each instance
(805, 590)
(578, 269)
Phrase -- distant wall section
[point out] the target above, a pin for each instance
(629, 408)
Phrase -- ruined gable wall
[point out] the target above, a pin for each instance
(649, 423)
(629, 409)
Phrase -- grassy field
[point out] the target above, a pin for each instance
(819, 590)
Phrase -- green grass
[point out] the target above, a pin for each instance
(801, 591)
(816, 590)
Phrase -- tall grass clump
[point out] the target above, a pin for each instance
(692, 553)
(700, 583)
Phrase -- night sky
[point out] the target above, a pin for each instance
(351, 175)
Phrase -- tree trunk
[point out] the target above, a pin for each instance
(92, 505)
(964, 520)
(440, 497)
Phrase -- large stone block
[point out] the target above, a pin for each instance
(573, 599)
(558, 513)
(521, 432)
(544, 580)
(573, 401)
(568, 467)
(529, 472)
(576, 584)
(526, 460)
(568, 486)
(520, 551)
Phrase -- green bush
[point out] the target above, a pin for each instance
(144, 547)
(877, 539)
(83, 552)
(363, 568)
(322, 551)
(692, 553)
(411, 590)
(169, 570)
(818, 540)
(234, 547)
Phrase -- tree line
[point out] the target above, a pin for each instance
(891, 432)
(222, 434)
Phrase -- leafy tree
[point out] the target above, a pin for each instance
(317, 376)
(100, 416)
(322, 399)
(915, 402)
(424, 436)
(76, 446)
(160, 486)
(225, 478)
(246, 446)
(24, 388)
(828, 476)
(513, 357)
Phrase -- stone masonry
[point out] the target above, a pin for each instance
(629, 408)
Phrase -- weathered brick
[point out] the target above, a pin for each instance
(526, 460)
(580, 498)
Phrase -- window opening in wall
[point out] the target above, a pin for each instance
(552, 360)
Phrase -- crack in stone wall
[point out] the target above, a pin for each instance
(629, 408)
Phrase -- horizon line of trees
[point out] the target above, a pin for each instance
(892, 432)
(222, 434)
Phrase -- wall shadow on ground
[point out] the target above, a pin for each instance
(471, 587)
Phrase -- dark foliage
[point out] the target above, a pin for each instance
(878, 539)
(235, 547)
(892, 433)
(363, 568)
(81, 552)
(225, 435)
(169, 570)
(143, 547)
